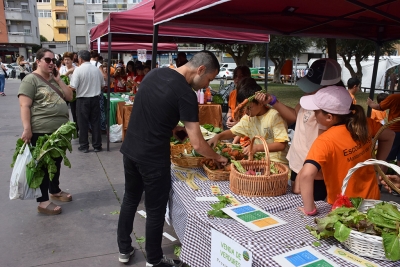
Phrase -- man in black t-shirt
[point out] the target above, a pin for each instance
(165, 98)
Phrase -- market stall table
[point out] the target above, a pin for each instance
(115, 98)
(265, 244)
(123, 115)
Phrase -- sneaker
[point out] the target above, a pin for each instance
(83, 149)
(98, 149)
(125, 257)
(166, 262)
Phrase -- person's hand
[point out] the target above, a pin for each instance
(246, 150)
(56, 78)
(221, 160)
(310, 213)
(369, 101)
(263, 98)
(26, 136)
(69, 72)
(395, 179)
(213, 141)
(230, 122)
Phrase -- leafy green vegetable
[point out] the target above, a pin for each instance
(316, 244)
(238, 166)
(48, 148)
(218, 99)
(141, 240)
(217, 208)
(341, 231)
(356, 201)
(177, 251)
(391, 244)
(208, 127)
(384, 215)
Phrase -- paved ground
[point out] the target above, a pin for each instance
(85, 233)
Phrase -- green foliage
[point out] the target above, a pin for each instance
(141, 240)
(217, 208)
(48, 148)
(177, 250)
(43, 39)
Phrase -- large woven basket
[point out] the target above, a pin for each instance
(216, 175)
(266, 185)
(377, 168)
(365, 244)
(187, 162)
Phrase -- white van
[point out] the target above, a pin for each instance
(227, 65)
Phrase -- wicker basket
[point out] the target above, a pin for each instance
(187, 162)
(365, 244)
(266, 185)
(377, 168)
(216, 175)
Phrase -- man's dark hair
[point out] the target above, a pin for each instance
(84, 55)
(353, 82)
(381, 97)
(93, 54)
(205, 58)
(40, 53)
(247, 87)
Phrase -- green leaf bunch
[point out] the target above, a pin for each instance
(217, 208)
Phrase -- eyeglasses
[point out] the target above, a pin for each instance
(48, 60)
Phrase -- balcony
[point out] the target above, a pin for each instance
(114, 7)
(17, 14)
(20, 38)
(60, 23)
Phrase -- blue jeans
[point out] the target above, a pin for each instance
(2, 83)
(156, 183)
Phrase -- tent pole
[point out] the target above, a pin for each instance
(266, 68)
(155, 44)
(204, 46)
(374, 73)
(108, 90)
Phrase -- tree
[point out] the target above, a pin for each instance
(239, 52)
(43, 39)
(280, 49)
(359, 49)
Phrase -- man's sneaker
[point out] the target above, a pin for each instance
(125, 257)
(166, 262)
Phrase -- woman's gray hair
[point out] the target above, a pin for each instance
(84, 55)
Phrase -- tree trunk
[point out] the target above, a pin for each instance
(277, 71)
(331, 46)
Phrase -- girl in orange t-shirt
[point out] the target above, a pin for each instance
(346, 142)
(120, 79)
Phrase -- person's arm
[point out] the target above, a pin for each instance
(272, 147)
(287, 113)
(230, 121)
(25, 104)
(395, 179)
(199, 144)
(65, 88)
(385, 141)
(305, 179)
(373, 105)
(225, 135)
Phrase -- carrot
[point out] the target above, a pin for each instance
(241, 105)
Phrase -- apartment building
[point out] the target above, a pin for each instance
(18, 29)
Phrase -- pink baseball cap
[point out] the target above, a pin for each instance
(332, 99)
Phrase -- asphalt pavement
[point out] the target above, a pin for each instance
(84, 234)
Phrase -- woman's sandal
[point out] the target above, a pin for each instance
(50, 209)
(62, 197)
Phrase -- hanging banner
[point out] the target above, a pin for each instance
(141, 53)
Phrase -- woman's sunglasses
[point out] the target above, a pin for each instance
(48, 60)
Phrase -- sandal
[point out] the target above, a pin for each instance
(3, 94)
(62, 197)
(50, 209)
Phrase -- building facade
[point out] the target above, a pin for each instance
(18, 29)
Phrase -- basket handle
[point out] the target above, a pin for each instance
(377, 168)
(367, 163)
(265, 149)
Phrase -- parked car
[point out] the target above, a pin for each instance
(225, 73)
(228, 65)
(16, 68)
(9, 69)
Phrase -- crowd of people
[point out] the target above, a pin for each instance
(317, 158)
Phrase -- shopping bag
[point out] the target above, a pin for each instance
(19, 188)
(116, 133)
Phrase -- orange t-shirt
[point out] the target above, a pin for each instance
(232, 102)
(392, 102)
(378, 115)
(335, 156)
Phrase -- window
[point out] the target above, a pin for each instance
(27, 30)
(95, 17)
(43, 1)
(52, 46)
(24, 6)
(94, 1)
(62, 16)
(134, 1)
(62, 30)
(78, 2)
(81, 39)
(59, 3)
(80, 21)
(44, 13)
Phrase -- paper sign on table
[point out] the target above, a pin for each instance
(304, 257)
(215, 190)
(207, 199)
(226, 252)
(350, 257)
(253, 217)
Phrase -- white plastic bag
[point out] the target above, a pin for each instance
(116, 133)
(19, 188)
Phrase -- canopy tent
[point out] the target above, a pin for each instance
(367, 65)
(133, 47)
(136, 25)
(376, 20)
